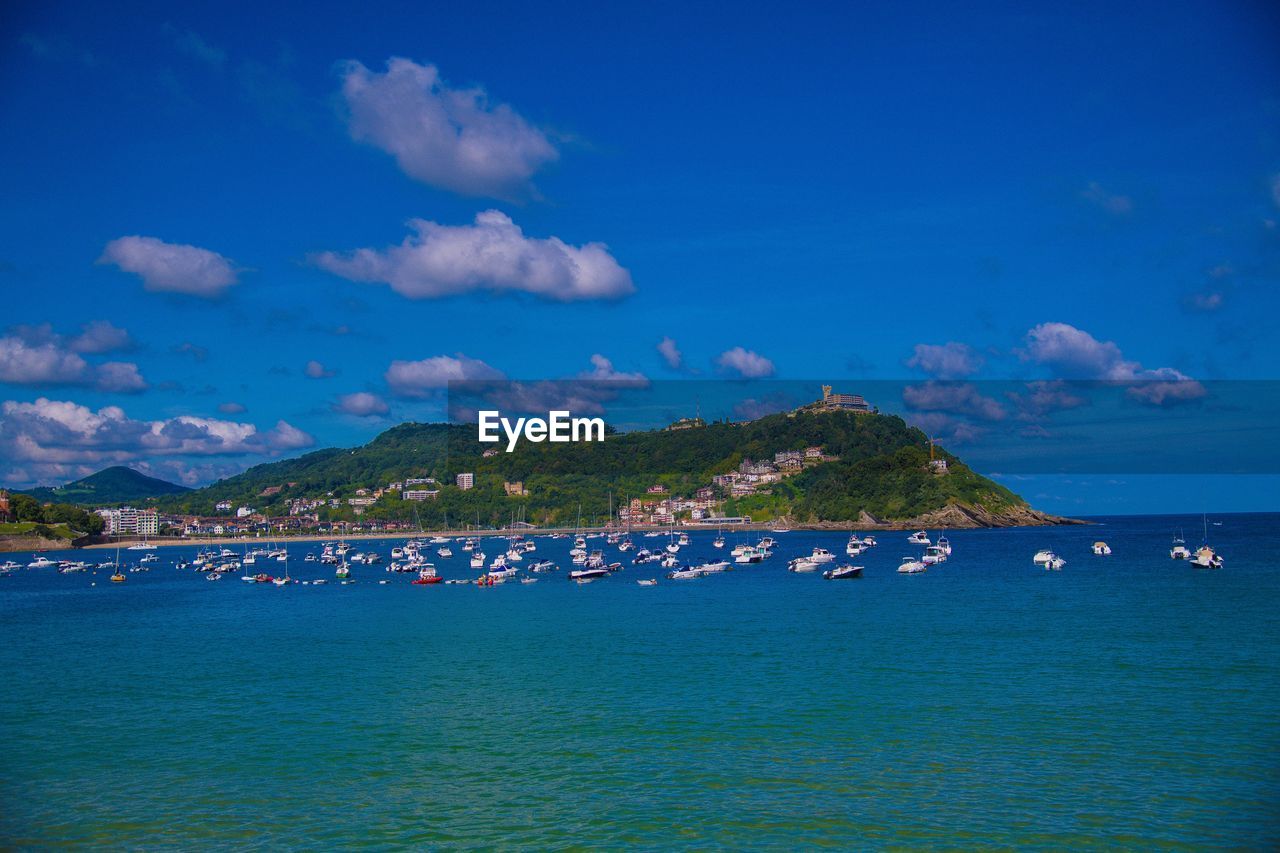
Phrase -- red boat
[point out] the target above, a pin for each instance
(263, 578)
(426, 576)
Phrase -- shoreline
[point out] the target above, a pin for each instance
(857, 527)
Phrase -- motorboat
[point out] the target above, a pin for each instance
(715, 566)
(648, 582)
(1206, 558)
(1102, 549)
(213, 576)
(42, 563)
(854, 547)
(501, 573)
(718, 542)
(840, 573)
(669, 561)
(477, 559)
(426, 575)
(934, 555)
(685, 573)
(822, 555)
(682, 540)
(644, 555)
(1042, 557)
(1179, 550)
(585, 575)
(919, 538)
(911, 566)
(528, 580)
(1055, 563)
(542, 566)
(750, 555)
(343, 572)
(945, 545)
(802, 564)
(446, 552)
(515, 555)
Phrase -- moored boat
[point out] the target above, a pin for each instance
(843, 573)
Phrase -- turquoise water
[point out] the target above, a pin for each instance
(1124, 701)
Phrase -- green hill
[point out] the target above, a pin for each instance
(109, 486)
(882, 470)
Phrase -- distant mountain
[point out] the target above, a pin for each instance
(117, 484)
(872, 467)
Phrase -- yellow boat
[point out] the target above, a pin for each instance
(118, 577)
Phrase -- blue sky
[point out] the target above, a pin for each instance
(545, 191)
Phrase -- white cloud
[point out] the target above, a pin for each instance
(957, 398)
(120, 377)
(65, 433)
(100, 337)
(602, 370)
(38, 356)
(316, 370)
(361, 404)
(670, 353)
(493, 255)
(745, 363)
(172, 267)
(946, 361)
(23, 363)
(448, 138)
(420, 378)
(1074, 353)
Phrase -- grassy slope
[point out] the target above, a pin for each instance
(882, 470)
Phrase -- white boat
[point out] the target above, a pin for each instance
(854, 547)
(501, 574)
(213, 576)
(542, 566)
(750, 555)
(1102, 549)
(586, 575)
(911, 566)
(669, 561)
(945, 545)
(342, 572)
(1043, 556)
(648, 582)
(1055, 563)
(715, 566)
(469, 545)
(1179, 550)
(843, 573)
(1206, 558)
(822, 555)
(477, 559)
(802, 564)
(41, 563)
(919, 538)
(445, 552)
(933, 555)
(718, 543)
(644, 555)
(439, 540)
(683, 540)
(499, 562)
(685, 573)
(514, 555)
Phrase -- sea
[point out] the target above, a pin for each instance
(1126, 701)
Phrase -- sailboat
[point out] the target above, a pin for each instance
(286, 580)
(1205, 557)
(118, 577)
(719, 540)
